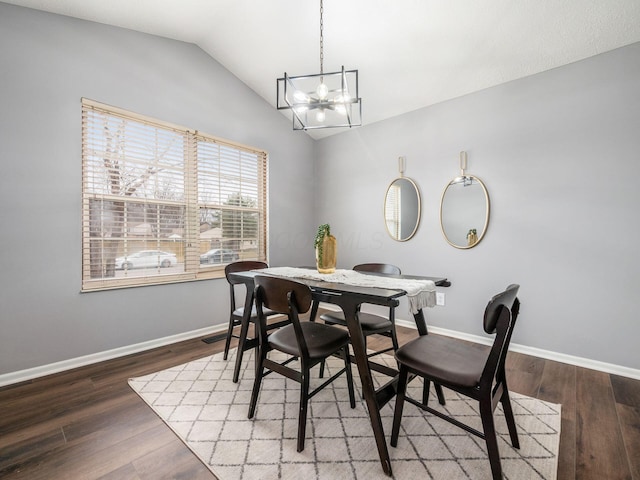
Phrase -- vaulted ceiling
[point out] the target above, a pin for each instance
(409, 53)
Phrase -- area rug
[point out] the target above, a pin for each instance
(201, 404)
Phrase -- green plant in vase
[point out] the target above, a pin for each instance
(326, 247)
(472, 237)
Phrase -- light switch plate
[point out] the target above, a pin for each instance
(440, 298)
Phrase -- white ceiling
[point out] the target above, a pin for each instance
(410, 53)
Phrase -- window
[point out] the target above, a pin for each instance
(392, 212)
(162, 203)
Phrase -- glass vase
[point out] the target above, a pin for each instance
(327, 254)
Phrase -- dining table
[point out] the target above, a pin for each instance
(349, 298)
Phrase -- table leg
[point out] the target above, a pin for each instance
(368, 388)
(314, 310)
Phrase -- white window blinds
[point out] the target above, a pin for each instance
(392, 211)
(163, 203)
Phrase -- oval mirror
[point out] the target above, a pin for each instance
(402, 209)
(464, 211)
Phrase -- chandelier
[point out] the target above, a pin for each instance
(321, 100)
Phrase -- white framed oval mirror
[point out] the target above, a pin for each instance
(464, 211)
(402, 209)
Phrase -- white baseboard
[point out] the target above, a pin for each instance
(537, 352)
(31, 373)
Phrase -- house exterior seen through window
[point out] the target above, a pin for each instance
(163, 204)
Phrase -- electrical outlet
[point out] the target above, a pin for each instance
(440, 298)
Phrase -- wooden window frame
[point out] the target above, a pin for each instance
(109, 157)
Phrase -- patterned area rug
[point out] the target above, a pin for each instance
(208, 412)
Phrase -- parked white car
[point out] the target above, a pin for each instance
(146, 259)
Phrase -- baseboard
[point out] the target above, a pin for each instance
(31, 373)
(36, 372)
(537, 352)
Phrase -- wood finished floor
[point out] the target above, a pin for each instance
(88, 424)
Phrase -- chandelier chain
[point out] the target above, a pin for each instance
(321, 39)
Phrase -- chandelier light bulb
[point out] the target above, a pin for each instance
(300, 97)
(320, 115)
(341, 103)
(322, 91)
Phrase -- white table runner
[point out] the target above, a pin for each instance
(421, 293)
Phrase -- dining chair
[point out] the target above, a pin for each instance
(306, 341)
(236, 314)
(371, 323)
(475, 371)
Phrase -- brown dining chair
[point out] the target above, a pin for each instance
(308, 342)
(236, 313)
(474, 371)
(371, 323)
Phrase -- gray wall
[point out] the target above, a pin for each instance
(47, 63)
(559, 154)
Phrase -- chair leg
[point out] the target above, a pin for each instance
(322, 368)
(347, 367)
(394, 337)
(227, 342)
(486, 414)
(508, 415)
(256, 382)
(425, 391)
(242, 340)
(302, 413)
(440, 394)
(397, 414)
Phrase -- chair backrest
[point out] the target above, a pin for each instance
(507, 299)
(286, 297)
(384, 268)
(241, 266)
(500, 318)
(280, 294)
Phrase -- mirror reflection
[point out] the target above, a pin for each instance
(464, 211)
(402, 209)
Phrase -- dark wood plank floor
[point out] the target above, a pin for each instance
(88, 424)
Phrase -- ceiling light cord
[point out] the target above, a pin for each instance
(321, 39)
